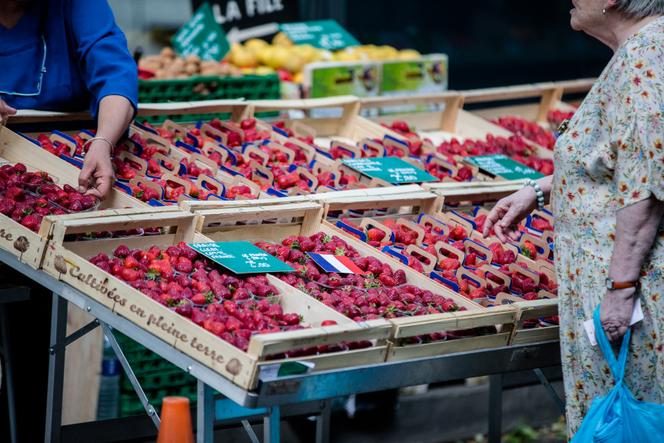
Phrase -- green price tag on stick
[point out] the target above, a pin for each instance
(323, 34)
(503, 166)
(202, 36)
(391, 169)
(241, 257)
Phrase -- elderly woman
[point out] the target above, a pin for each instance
(607, 195)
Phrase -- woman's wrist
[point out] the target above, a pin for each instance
(537, 192)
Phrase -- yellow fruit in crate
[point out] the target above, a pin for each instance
(409, 54)
(294, 62)
(278, 57)
(255, 45)
(281, 39)
(264, 70)
(387, 53)
(248, 71)
(242, 57)
(346, 56)
(299, 77)
(307, 52)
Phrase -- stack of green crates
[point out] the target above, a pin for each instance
(198, 88)
(157, 377)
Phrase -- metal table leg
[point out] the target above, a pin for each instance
(552, 392)
(129, 372)
(56, 367)
(323, 422)
(8, 375)
(272, 426)
(204, 414)
(495, 408)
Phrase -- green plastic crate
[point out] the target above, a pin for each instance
(158, 378)
(249, 87)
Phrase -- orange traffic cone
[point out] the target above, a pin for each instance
(175, 421)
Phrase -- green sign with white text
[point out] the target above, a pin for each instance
(241, 257)
(503, 166)
(201, 36)
(391, 169)
(323, 34)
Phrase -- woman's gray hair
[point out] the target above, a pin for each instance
(638, 9)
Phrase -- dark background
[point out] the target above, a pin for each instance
(489, 42)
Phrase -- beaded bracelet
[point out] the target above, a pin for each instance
(104, 139)
(538, 192)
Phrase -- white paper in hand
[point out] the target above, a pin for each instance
(589, 325)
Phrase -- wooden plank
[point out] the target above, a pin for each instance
(408, 352)
(82, 370)
(535, 335)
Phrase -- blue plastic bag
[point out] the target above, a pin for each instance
(618, 417)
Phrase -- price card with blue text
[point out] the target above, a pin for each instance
(241, 257)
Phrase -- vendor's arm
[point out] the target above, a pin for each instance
(509, 211)
(636, 230)
(111, 77)
(115, 114)
(5, 112)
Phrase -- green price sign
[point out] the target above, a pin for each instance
(503, 166)
(241, 257)
(202, 36)
(391, 169)
(324, 34)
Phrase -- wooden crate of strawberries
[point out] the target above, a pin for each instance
(382, 288)
(448, 247)
(34, 185)
(234, 325)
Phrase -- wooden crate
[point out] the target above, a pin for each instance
(305, 218)
(451, 121)
(532, 310)
(544, 97)
(468, 192)
(26, 245)
(68, 262)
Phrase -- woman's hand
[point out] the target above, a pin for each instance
(508, 213)
(5, 112)
(96, 177)
(615, 312)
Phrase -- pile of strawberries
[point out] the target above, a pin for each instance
(27, 197)
(514, 147)
(379, 292)
(230, 307)
(530, 130)
(556, 116)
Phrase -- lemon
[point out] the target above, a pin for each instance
(281, 39)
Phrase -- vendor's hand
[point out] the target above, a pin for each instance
(5, 112)
(615, 312)
(97, 176)
(508, 213)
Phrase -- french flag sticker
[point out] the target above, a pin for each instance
(335, 263)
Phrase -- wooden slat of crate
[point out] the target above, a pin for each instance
(407, 352)
(532, 310)
(455, 192)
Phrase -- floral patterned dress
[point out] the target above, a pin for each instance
(611, 156)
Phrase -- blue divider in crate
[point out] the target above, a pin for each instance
(64, 135)
(76, 162)
(348, 228)
(145, 127)
(28, 138)
(394, 252)
(188, 147)
(446, 282)
(276, 193)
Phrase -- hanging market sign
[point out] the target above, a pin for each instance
(503, 166)
(248, 13)
(323, 34)
(241, 257)
(201, 36)
(391, 169)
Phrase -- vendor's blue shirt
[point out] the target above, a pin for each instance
(65, 55)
